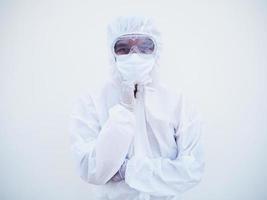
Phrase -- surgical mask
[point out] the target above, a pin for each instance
(135, 67)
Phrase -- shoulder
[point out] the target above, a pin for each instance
(175, 94)
(185, 109)
(95, 92)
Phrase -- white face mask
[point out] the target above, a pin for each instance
(135, 67)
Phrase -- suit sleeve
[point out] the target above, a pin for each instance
(163, 176)
(99, 151)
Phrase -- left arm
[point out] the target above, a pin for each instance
(164, 176)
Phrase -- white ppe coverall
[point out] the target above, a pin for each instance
(160, 138)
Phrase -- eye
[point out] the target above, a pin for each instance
(122, 50)
(147, 46)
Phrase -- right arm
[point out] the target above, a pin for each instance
(99, 151)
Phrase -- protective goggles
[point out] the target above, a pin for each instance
(138, 43)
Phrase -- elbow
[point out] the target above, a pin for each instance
(196, 175)
(93, 179)
(87, 170)
(193, 177)
(92, 176)
(90, 173)
(194, 181)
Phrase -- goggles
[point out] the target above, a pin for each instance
(134, 43)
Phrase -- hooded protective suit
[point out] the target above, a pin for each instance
(158, 144)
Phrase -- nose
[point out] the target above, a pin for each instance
(134, 49)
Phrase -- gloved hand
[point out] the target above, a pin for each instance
(128, 95)
(120, 175)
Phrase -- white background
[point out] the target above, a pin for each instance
(53, 51)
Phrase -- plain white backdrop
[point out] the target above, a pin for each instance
(52, 51)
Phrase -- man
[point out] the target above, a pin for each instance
(135, 138)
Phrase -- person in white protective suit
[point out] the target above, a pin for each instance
(134, 138)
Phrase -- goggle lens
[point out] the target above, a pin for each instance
(139, 44)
